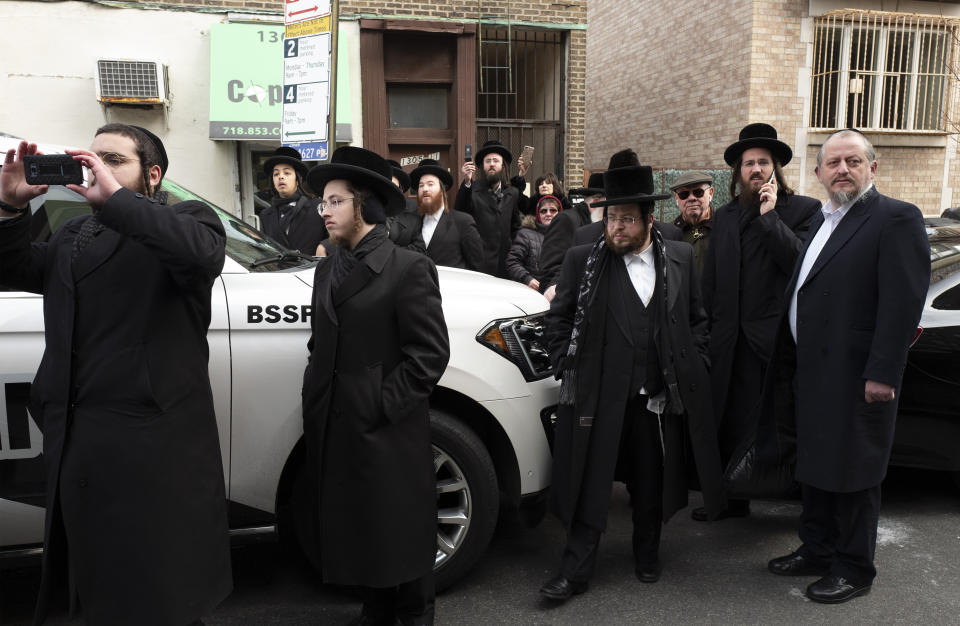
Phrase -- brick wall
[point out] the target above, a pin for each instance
(670, 81)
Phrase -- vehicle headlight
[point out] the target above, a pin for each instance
(520, 340)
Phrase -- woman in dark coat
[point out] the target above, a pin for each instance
(546, 185)
(523, 260)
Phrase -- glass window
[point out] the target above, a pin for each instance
(418, 107)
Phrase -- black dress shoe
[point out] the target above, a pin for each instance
(834, 589)
(559, 588)
(795, 564)
(699, 514)
(649, 573)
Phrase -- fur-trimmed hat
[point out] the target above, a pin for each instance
(758, 135)
(363, 167)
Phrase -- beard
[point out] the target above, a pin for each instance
(493, 178)
(633, 244)
(843, 197)
(750, 196)
(427, 205)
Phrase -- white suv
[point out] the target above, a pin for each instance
(490, 412)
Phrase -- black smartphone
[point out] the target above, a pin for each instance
(468, 153)
(52, 169)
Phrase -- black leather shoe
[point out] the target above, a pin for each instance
(648, 573)
(561, 589)
(699, 514)
(795, 564)
(834, 589)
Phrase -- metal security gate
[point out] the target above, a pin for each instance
(521, 93)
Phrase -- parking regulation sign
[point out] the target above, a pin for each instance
(308, 62)
(295, 11)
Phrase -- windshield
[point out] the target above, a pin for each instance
(245, 244)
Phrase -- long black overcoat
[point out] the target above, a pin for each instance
(124, 402)
(377, 349)
(857, 312)
(585, 457)
(497, 221)
(748, 293)
(301, 228)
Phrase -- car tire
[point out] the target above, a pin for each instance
(468, 499)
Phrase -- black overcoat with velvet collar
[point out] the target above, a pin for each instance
(585, 451)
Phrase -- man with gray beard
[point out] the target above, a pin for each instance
(851, 313)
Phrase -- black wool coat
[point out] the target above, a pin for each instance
(585, 457)
(301, 228)
(404, 229)
(746, 294)
(557, 240)
(497, 222)
(857, 312)
(134, 477)
(377, 348)
(456, 242)
(523, 260)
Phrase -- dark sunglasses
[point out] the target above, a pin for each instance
(697, 193)
(549, 209)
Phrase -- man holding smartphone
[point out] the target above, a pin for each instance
(136, 515)
(755, 240)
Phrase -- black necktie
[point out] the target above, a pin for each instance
(90, 229)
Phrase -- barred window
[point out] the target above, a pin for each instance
(880, 71)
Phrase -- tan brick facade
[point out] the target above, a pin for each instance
(694, 72)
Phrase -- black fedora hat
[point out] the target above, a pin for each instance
(493, 146)
(758, 135)
(594, 187)
(363, 167)
(626, 185)
(287, 156)
(431, 166)
(402, 177)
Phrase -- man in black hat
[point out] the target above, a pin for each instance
(559, 237)
(136, 514)
(451, 237)
(292, 218)
(755, 241)
(627, 335)
(493, 203)
(377, 348)
(404, 227)
(693, 192)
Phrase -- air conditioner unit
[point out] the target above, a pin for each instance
(124, 81)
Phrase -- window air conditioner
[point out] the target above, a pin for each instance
(122, 81)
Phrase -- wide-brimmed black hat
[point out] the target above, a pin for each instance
(758, 135)
(402, 177)
(287, 156)
(363, 167)
(493, 146)
(594, 187)
(431, 166)
(626, 185)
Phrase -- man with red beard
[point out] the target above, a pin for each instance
(493, 203)
(755, 241)
(451, 237)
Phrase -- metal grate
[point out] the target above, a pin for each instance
(881, 71)
(128, 79)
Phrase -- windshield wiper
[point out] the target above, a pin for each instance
(289, 255)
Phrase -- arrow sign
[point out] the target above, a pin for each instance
(302, 10)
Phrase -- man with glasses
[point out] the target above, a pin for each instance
(693, 192)
(136, 512)
(627, 336)
(755, 240)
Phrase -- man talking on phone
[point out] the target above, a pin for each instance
(136, 516)
(755, 240)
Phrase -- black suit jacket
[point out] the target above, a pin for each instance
(404, 229)
(123, 398)
(746, 294)
(456, 242)
(497, 222)
(857, 312)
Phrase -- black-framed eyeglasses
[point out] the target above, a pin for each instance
(626, 220)
(334, 203)
(697, 193)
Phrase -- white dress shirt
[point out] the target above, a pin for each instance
(831, 217)
(430, 222)
(642, 271)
